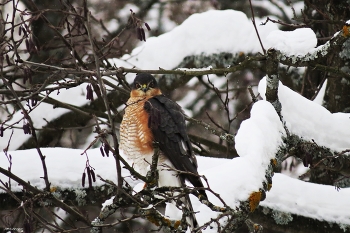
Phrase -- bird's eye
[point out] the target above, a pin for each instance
(151, 85)
(137, 85)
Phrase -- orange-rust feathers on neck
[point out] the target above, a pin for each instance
(148, 94)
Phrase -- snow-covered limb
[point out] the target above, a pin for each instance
(284, 50)
(313, 56)
(315, 156)
(317, 136)
(312, 121)
(315, 140)
(230, 178)
(38, 194)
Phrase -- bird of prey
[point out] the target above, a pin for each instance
(152, 117)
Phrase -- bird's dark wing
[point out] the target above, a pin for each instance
(167, 123)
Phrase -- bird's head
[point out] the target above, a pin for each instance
(145, 85)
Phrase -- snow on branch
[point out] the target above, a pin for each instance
(313, 56)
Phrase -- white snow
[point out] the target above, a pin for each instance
(210, 32)
(312, 121)
(321, 93)
(322, 202)
(65, 167)
(297, 42)
(107, 202)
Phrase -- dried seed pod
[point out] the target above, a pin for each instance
(106, 148)
(2, 130)
(83, 179)
(102, 152)
(89, 176)
(89, 92)
(143, 35)
(24, 31)
(93, 175)
(97, 90)
(148, 27)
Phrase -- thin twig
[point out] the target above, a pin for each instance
(254, 99)
(105, 100)
(28, 118)
(221, 135)
(256, 30)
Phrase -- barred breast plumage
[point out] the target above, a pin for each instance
(135, 136)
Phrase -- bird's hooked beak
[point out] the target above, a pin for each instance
(144, 88)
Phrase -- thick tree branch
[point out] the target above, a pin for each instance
(36, 191)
